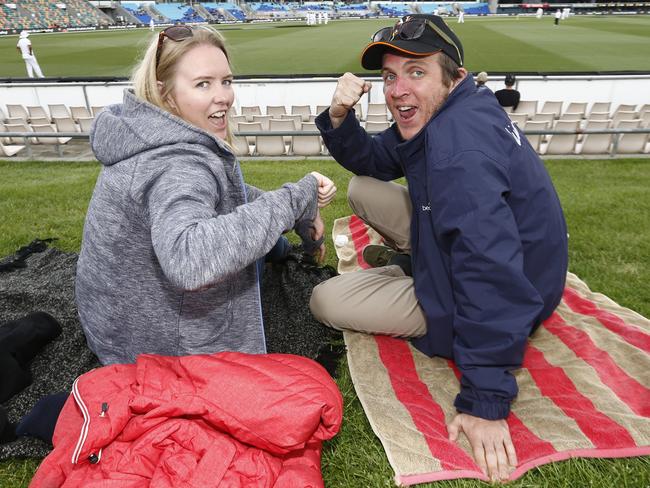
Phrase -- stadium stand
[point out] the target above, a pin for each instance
(395, 9)
(49, 14)
(179, 12)
(269, 10)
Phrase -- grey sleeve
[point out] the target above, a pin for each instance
(253, 193)
(197, 247)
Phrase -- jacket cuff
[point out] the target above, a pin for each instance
(304, 198)
(486, 409)
(324, 124)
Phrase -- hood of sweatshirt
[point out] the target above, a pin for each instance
(124, 130)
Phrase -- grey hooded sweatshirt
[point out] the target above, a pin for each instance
(172, 233)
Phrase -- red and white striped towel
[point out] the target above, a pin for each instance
(584, 388)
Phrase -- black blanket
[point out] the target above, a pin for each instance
(46, 284)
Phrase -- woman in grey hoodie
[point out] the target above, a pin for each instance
(172, 233)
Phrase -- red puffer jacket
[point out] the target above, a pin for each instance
(227, 420)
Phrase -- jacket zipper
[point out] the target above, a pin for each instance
(84, 428)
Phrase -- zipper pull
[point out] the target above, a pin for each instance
(104, 409)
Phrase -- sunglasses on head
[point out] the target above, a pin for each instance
(412, 30)
(176, 33)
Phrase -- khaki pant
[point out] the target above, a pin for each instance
(379, 300)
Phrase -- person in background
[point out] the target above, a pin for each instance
(24, 46)
(508, 96)
(173, 234)
(480, 225)
(481, 80)
(557, 17)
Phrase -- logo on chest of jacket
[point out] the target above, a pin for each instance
(512, 130)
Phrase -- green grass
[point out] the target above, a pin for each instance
(606, 204)
(582, 43)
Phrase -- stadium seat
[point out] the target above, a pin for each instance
(519, 119)
(54, 141)
(645, 119)
(276, 111)
(623, 115)
(307, 145)
(58, 111)
(543, 117)
(598, 116)
(535, 139)
(321, 108)
(271, 145)
(15, 120)
(295, 118)
(376, 109)
(85, 123)
(374, 127)
(576, 108)
(528, 107)
(235, 120)
(80, 113)
(631, 143)
(240, 146)
(563, 143)
(38, 112)
(39, 121)
(3, 116)
(596, 143)
(10, 150)
(65, 124)
(21, 127)
(303, 110)
(377, 118)
(551, 107)
(262, 119)
(571, 116)
(250, 127)
(96, 109)
(600, 107)
(17, 112)
(249, 111)
(624, 107)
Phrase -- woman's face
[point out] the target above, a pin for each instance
(202, 93)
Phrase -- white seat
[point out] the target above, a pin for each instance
(623, 115)
(377, 118)
(37, 112)
(287, 124)
(276, 111)
(596, 143)
(552, 107)
(645, 119)
(543, 117)
(526, 107)
(80, 113)
(96, 109)
(58, 111)
(249, 111)
(271, 145)
(262, 119)
(535, 140)
(65, 124)
(600, 107)
(598, 116)
(563, 143)
(295, 118)
(21, 127)
(39, 121)
(85, 123)
(519, 119)
(321, 108)
(631, 143)
(625, 107)
(250, 127)
(6, 148)
(17, 111)
(240, 146)
(577, 108)
(306, 145)
(52, 141)
(377, 109)
(303, 110)
(358, 111)
(375, 127)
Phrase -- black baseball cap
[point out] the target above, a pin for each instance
(415, 35)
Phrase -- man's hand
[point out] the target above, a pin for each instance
(318, 231)
(326, 189)
(349, 89)
(491, 444)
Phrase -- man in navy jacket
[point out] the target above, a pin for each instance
(480, 220)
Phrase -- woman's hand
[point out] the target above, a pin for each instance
(326, 189)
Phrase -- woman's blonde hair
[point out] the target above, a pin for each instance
(146, 76)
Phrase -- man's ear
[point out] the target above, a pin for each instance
(462, 72)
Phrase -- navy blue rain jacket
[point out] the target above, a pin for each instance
(488, 236)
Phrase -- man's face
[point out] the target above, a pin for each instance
(413, 89)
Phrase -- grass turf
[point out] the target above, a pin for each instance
(499, 44)
(606, 205)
